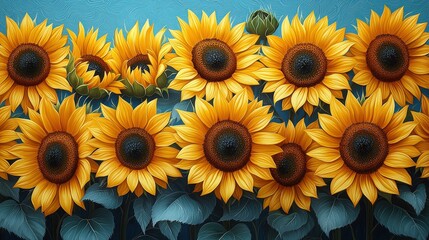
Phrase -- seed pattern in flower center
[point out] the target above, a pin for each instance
(135, 148)
(291, 165)
(140, 61)
(95, 64)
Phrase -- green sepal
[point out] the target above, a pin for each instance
(150, 90)
(82, 89)
(128, 88)
(139, 90)
(162, 80)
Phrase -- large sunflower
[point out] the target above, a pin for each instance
(390, 54)
(93, 61)
(213, 59)
(293, 178)
(422, 130)
(53, 155)
(364, 148)
(306, 64)
(134, 145)
(140, 57)
(33, 60)
(224, 144)
(7, 139)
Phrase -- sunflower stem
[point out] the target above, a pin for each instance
(336, 234)
(124, 219)
(369, 210)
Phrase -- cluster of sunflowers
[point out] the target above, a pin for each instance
(362, 142)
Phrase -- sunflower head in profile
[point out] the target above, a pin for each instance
(53, 155)
(33, 60)
(139, 58)
(364, 148)
(213, 59)
(422, 130)
(224, 145)
(7, 139)
(306, 64)
(134, 147)
(293, 179)
(90, 71)
(390, 53)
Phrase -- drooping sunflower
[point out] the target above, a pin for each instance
(139, 57)
(7, 139)
(224, 145)
(213, 59)
(33, 60)
(306, 64)
(293, 179)
(92, 60)
(422, 129)
(134, 147)
(53, 155)
(390, 55)
(365, 149)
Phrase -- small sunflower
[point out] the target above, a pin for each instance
(364, 148)
(293, 178)
(53, 155)
(139, 58)
(134, 145)
(306, 64)
(33, 60)
(225, 144)
(213, 59)
(92, 61)
(390, 55)
(7, 139)
(422, 130)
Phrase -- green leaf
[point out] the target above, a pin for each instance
(299, 233)
(142, 210)
(416, 199)
(333, 212)
(22, 220)
(107, 197)
(100, 226)
(215, 231)
(247, 209)
(7, 189)
(399, 221)
(170, 229)
(282, 222)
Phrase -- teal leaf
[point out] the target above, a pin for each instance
(182, 206)
(282, 222)
(170, 229)
(215, 231)
(399, 221)
(299, 233)
(7, 189)
(22, 220)
(184, 106)
(142, 210)
(107, 197)
(333, 212)
(417, 198)
(247, 209)
(100, 226)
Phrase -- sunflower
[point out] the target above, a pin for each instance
(93, 61)
(33, 60)
(306, 64)
(134, 147)
(422, 130)
(364, 148)
(53, 155)
(390, 55)
(225, 144)
(293, 178)
(7, 139)
(213, 59)
(140, 57)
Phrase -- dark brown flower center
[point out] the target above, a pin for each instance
(135, 148)
(304, 65)
(214, 60)
(140, 61)
(291, 165)
(364, 147)
(387, 58)
(228, 145)
(28, 64)
(95, 64)
(58, 157)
